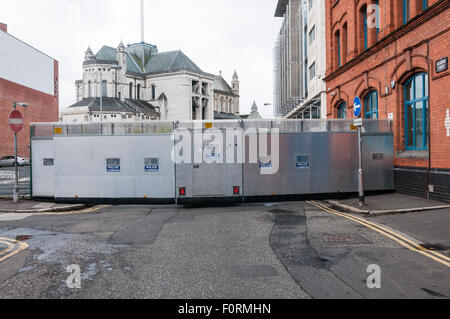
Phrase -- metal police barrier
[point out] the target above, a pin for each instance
(183, 162)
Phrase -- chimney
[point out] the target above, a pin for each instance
(3, 27)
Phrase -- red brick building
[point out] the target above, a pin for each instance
(29, 76)
(399, 69)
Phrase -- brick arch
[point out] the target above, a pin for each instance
(418, 63)
(337, 25)
(339, 96)
(365, 86)
(339, 102)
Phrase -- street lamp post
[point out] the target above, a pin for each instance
(16, 166)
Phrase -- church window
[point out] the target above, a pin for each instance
(104, 89)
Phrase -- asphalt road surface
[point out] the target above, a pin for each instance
(287, 250)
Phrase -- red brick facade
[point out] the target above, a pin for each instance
(41, 108)
(401, 49)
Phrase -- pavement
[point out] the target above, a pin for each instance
(294, 250)
(26, 206)
(388, 204)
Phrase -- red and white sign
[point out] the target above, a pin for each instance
(16, 121)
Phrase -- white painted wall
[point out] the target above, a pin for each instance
(81, 167)
(43, 179)
(24, 65)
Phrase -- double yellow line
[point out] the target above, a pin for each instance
(84, 211)
(14, 247)
(405, 242)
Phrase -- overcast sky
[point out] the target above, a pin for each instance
(218, 35)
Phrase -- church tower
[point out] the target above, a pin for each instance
(235, 85)
(88, 55)
(121, 58)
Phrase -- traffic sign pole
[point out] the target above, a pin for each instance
(16, 184)
(357, 107)
(16, 124)
(360, 171)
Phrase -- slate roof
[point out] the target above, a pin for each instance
(221, 85)
(154, 62)
(116, 105)
(225, 116)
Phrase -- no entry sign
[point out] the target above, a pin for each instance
(16, 121)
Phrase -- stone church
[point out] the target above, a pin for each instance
(138, 83)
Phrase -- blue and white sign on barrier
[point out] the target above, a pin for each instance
(357, 107)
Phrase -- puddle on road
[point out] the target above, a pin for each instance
(53, 247)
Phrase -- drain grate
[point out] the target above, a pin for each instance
(344, 239)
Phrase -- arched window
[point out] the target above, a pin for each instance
(138, 92)
(406, 11)
(416, 109)
(104, 89)
(364, 26)
(153, 92)
(344, 48)
(378, 21)
(371, 105)
(131, 91)
(337, 40)
(89, 89)
(342, 110)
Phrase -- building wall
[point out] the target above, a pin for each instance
(287, 59)
(317, 54)
(178, 89)
(27, 76)
(298, 93)
(401, 51)
(229, 103)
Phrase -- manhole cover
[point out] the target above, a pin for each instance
(344, 239)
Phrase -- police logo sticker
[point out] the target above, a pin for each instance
(151, 165)
(213, 152)
(113, 165)
(302, 162)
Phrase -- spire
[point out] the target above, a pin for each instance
(254, 107)
(121, 47)
(235, 76)
(142, 22)
(88, 55)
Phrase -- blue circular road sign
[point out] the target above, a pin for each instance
(357, 106)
